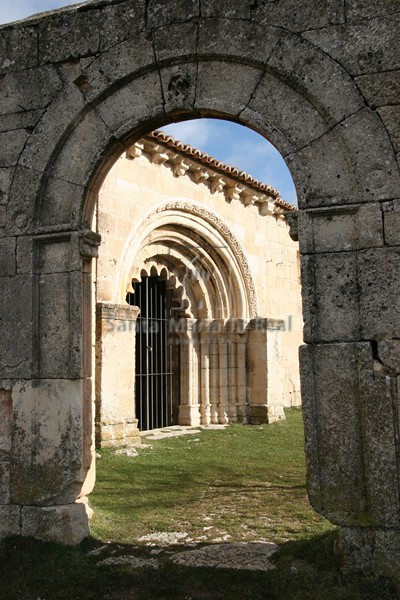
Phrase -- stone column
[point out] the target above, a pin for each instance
(265, 381)
(236, 338)
(205, 408)
(189, 408)
(115, 374)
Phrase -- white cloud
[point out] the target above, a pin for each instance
(196, 133)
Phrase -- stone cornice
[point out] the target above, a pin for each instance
(236, 185)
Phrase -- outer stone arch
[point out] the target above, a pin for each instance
(276, 72)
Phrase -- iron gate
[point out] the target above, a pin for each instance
(157, 355)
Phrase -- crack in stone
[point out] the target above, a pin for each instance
(330, 130)
(252, 95)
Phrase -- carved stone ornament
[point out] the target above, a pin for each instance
(89, 242)
(292, 219)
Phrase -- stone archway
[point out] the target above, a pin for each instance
(307, 80)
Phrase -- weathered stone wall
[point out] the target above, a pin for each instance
(321, 81)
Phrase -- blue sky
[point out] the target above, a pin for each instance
(233, 144)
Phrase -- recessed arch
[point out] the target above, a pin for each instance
(210, 227)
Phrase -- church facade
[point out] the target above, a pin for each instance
(198, 302)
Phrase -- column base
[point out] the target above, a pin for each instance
(262, 413)
(189, 414)
(117, 434)
(66, 524)
(370, 549)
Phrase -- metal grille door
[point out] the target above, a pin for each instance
(156, 355)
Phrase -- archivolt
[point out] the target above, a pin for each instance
(200, 251)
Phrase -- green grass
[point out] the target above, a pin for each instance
(243, 482)
(246, 482)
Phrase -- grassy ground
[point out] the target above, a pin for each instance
(239, 484)
(246, 482)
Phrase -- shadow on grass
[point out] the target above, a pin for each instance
(304, 570)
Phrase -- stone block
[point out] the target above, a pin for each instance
(230, 37)
(179, 39)
(5, 424)
(295, 15)
(340, 229)
(334, 449)
(4, 482)
(8, 257)
(379, 298)
(24, 255)
(264, 413)
(116, 111)
(380, 89)
(159, 13)
(66, 524)
(331, 297)
(70, 35)
(390, 116)
(297, 61)
(391, 222)
(386, 557)
(53, 254)
(16, 327)
(378, 412)
(366, 47)
(350, 435)
(6, 177)
(10, 521)
(377, 170)
(325, 155)
(93, 135)
(28, 90)
(215, 77)
(117, 434)
(121, 21)
(22, 120)
(46, 459)
(12, 144)
(61, 112)
(21, 205)
(53, 325)
(358, 10)
(276, 98)
(355, 547)
(18, 48)
(60, 200)
(132, 54)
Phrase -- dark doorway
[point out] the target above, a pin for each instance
(157, 355)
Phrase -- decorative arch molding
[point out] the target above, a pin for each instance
(197, 218)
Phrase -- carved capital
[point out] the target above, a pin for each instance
(89, 241)
(292, 219)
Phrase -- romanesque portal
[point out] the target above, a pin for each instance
(81, 86)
